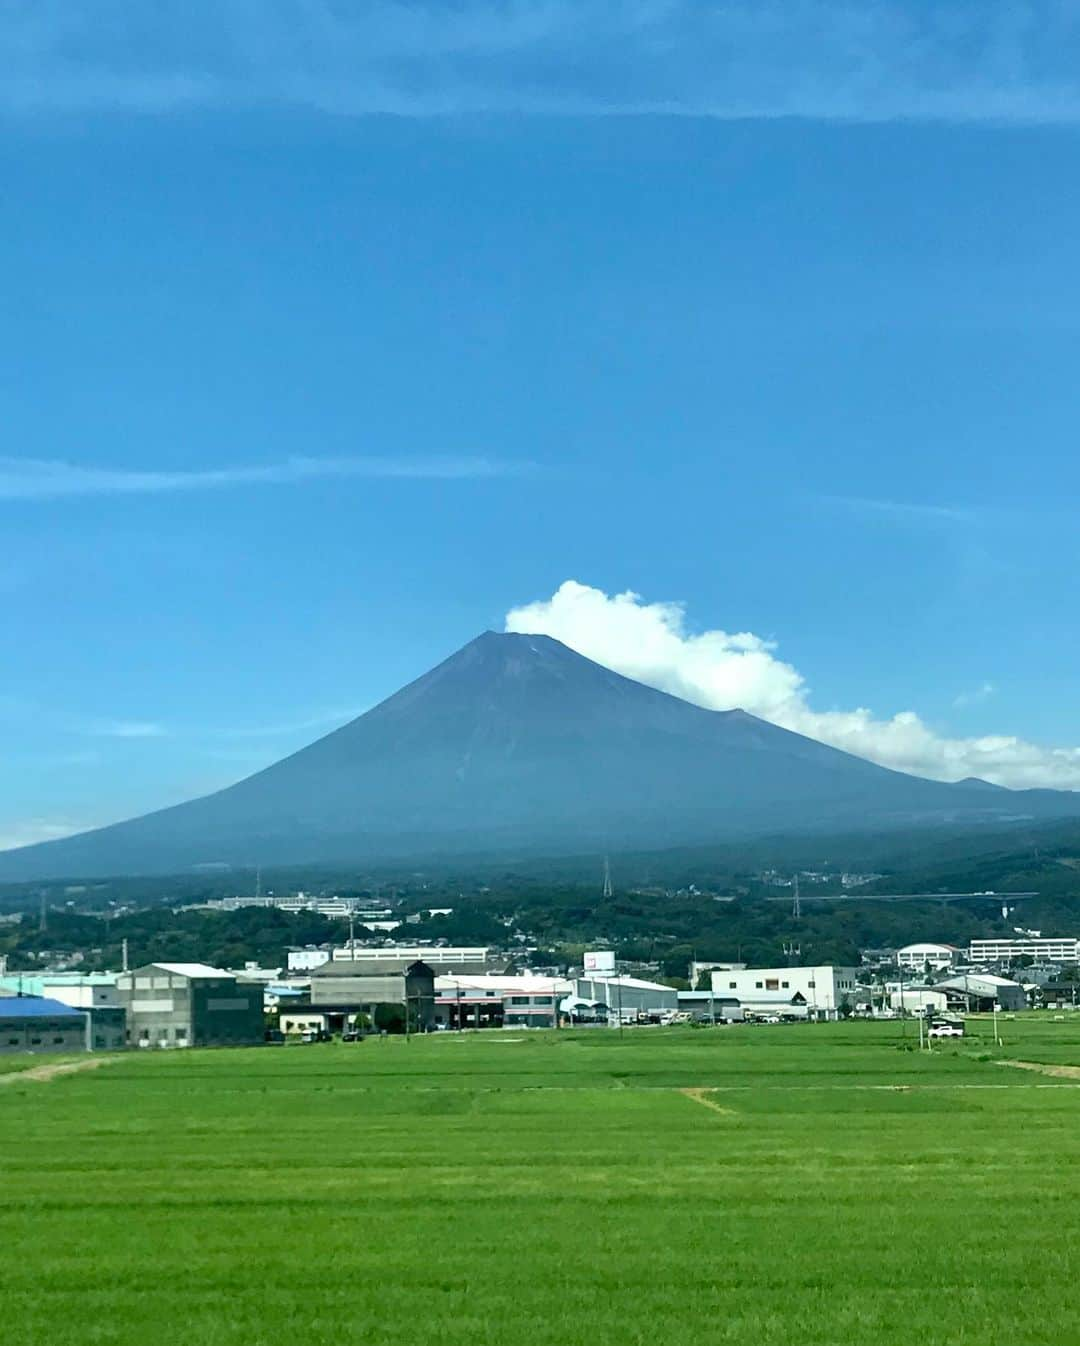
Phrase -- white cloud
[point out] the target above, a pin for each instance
(326, 720)
(850, 60)
(977, 694)
(723, 671)
(48, 479)
(29, 831)
(126, 729)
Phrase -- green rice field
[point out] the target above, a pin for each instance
(769, 1184)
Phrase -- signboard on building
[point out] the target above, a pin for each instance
(601, 964)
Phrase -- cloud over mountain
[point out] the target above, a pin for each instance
(652, 643)
(880, 60)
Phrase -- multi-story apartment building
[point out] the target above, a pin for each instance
(1065, 949)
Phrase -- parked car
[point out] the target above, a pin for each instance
(945, 1028)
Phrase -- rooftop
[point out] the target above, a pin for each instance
(192, 969)
(36, 1007)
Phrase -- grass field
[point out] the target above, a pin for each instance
(817, 1184)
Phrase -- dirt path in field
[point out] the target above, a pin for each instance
(702, 1096)
(43, 1074)
(1059, 1072)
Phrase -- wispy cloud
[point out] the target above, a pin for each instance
(45, 479)
(904, 511)
(976, 695)
(851, 60)
(29, 831)
(125, 729)
(324, 720)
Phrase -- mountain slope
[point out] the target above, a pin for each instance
(516, 744)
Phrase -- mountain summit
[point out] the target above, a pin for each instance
(517, 744)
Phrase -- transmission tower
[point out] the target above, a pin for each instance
(609, 890)
(792, 952)
(796, 905)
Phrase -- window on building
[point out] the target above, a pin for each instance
(757, 986)
(58, 1039)
(35, 1042)
(786, 985)
(733, 985)
(519, 1000)
(13, 1042)
(99, 1041)
(772, 983)
(812, 985)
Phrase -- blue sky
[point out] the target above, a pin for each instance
(331, 340)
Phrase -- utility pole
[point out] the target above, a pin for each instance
(124, 955)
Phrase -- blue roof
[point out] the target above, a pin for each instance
(34, 1006)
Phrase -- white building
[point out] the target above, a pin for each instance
(334, 908)
(491, 1000)
(916, 957)
(1064, 950)
(915, 999)
(696, 969)
(808, 992)
(471, 959)
(306, 960)
(627, 996)
(94, 992)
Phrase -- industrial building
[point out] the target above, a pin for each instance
(190, 1005)
(801, 992)
(344, 988)
(703, 1005)
(918, 957)
(988, 952)
(30, 1023)
(468, 960)
(627, 996)
(979, 992)
(497, 1001)
(915, 999)
(99, 999)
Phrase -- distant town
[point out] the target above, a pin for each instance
(381, 970)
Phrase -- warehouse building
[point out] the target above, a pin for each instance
(796, 992)
(343, 988)
(97, 996)
(627, 997)
(494, 1001)
(190, 1005)
(30, 1023)
(704, 1007)
(978, 992)
(915, 999)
